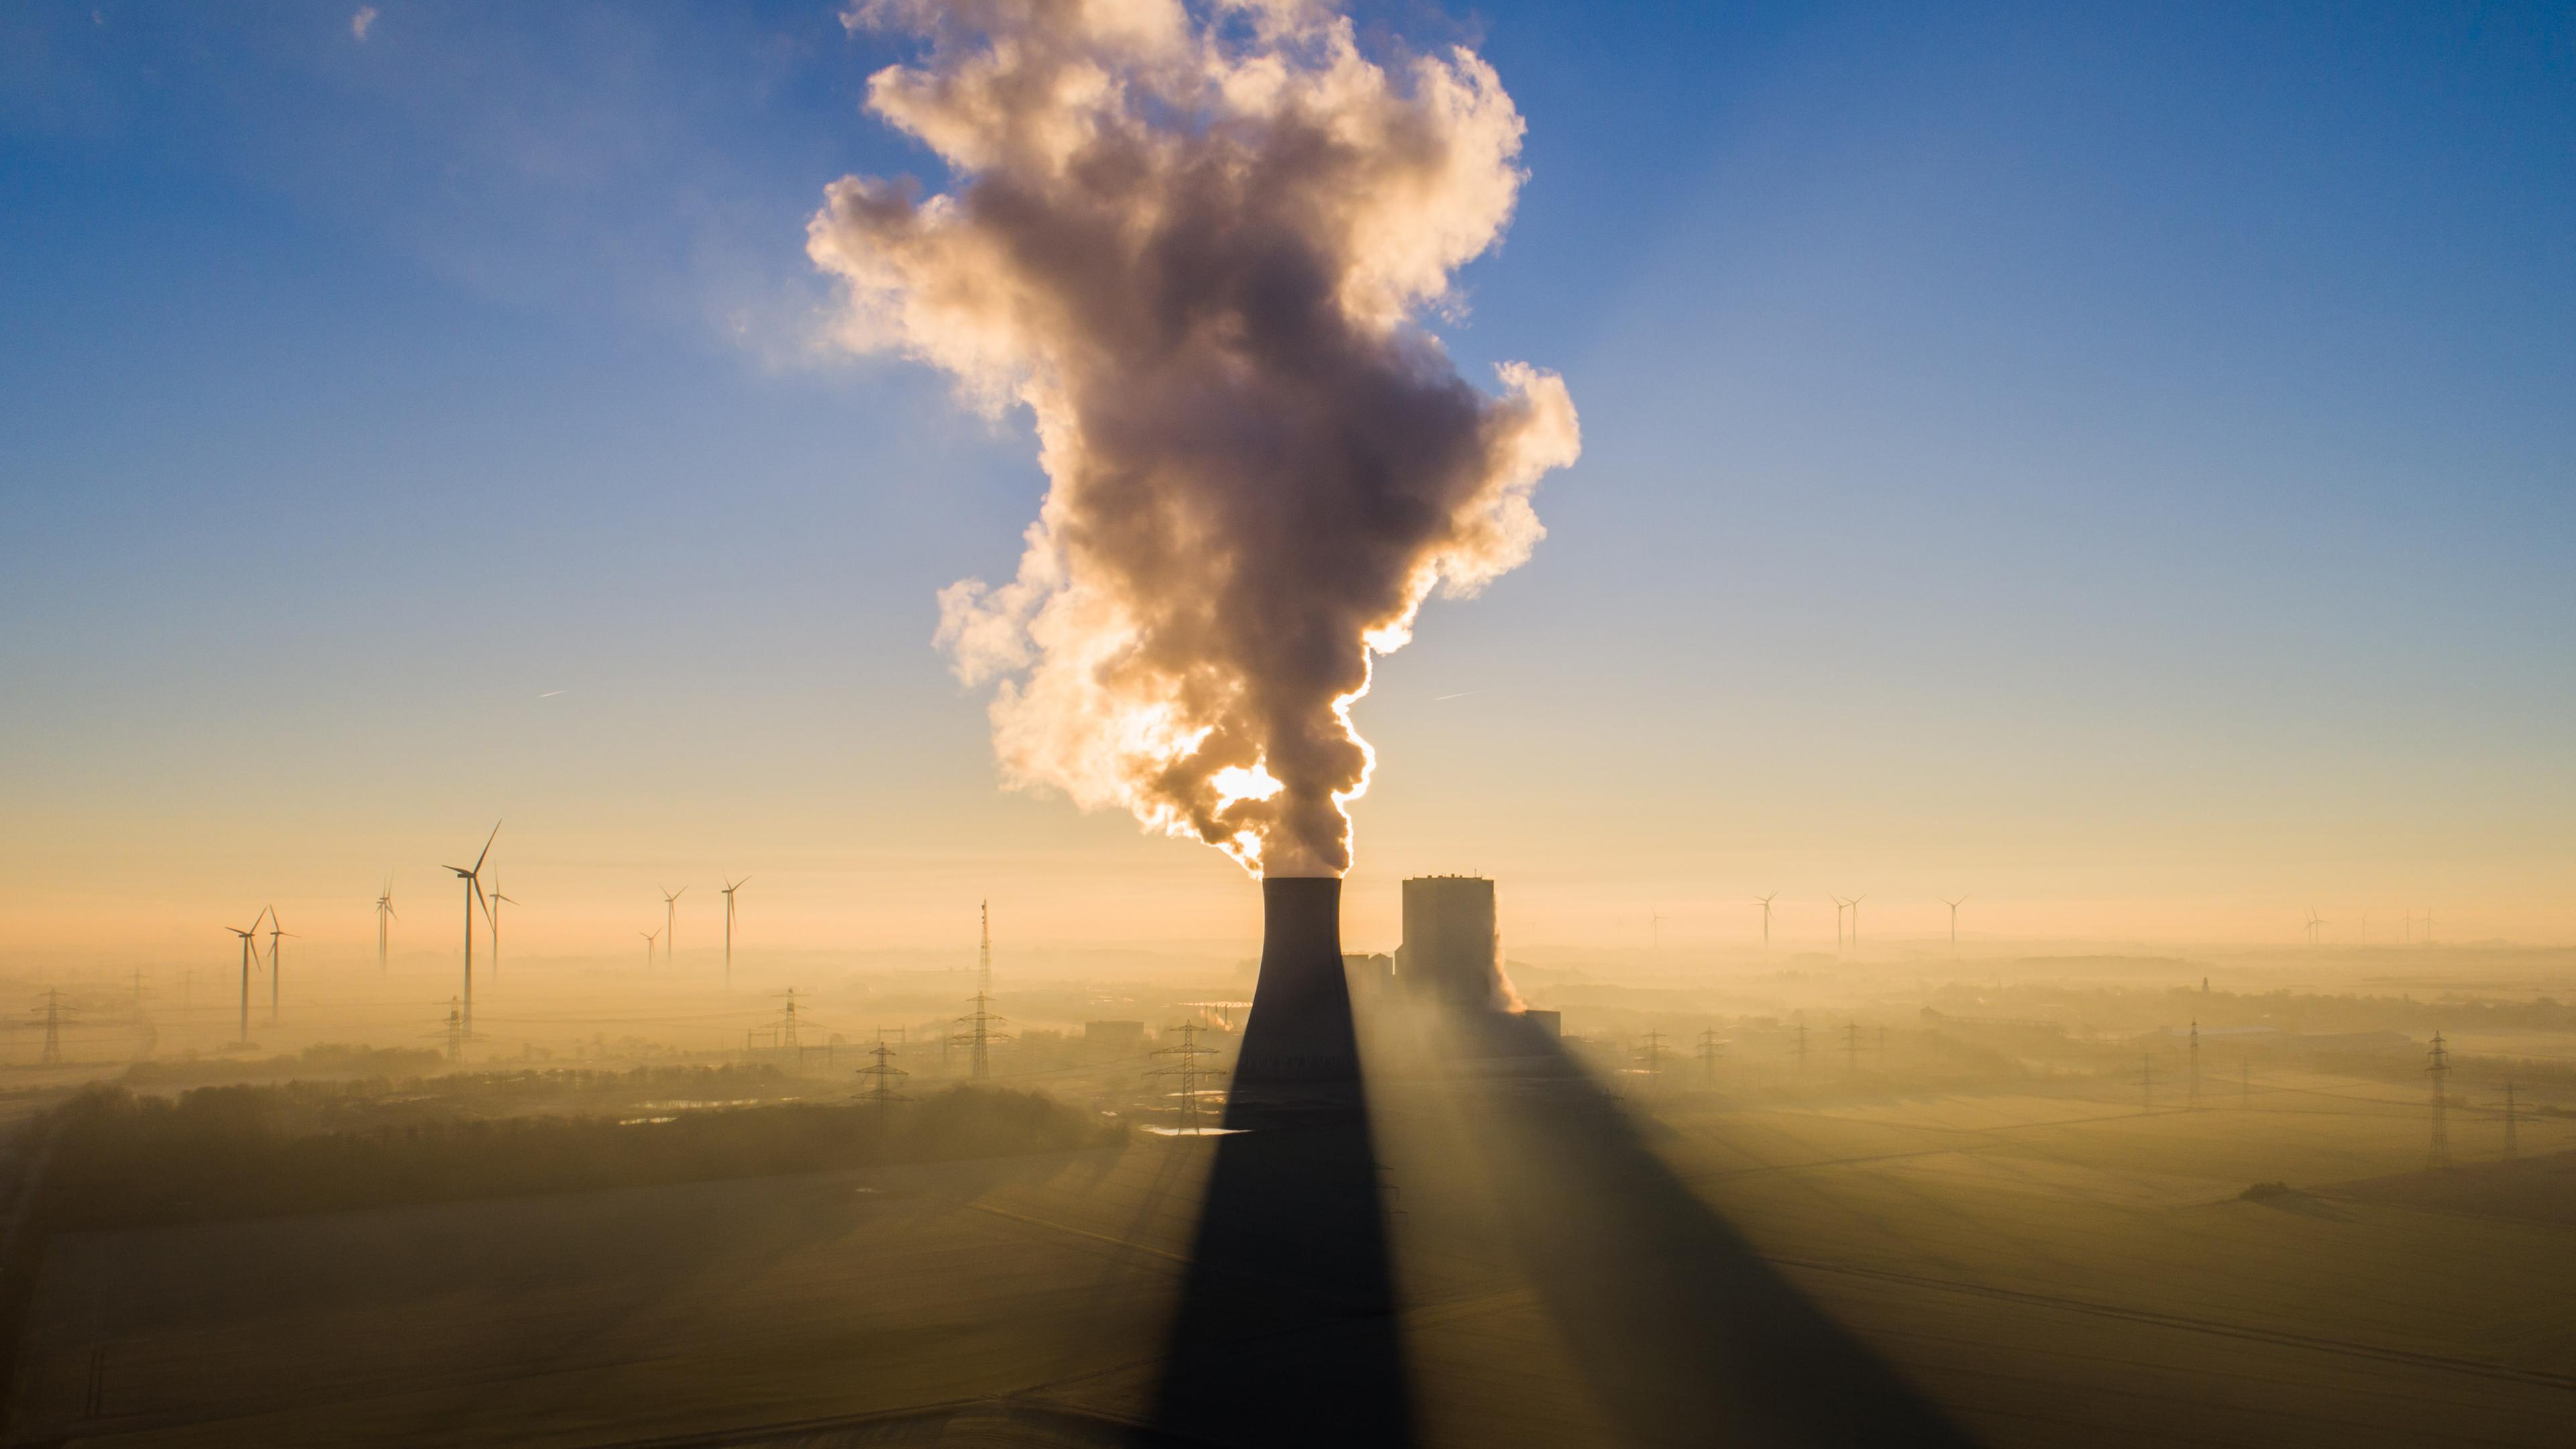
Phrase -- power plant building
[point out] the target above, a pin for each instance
(1452, 947)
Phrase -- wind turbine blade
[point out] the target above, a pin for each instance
(487, 844)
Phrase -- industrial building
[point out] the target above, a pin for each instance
(1452, 947)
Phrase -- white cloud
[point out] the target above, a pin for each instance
(362, 22)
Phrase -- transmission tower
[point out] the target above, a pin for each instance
(2147, 1079)
(984, 952)
(787, 1045)
(2245, 1082)
(1708, 1055)
(1802, 1038)
(1851, 1049)
(2194, 1087)
(1654, 1054)
(1188, 1070)
(881, 1076)
(455, 1031)
(2512, 1146)
(979, 1035)
(2439, 1069)
(53, 1013)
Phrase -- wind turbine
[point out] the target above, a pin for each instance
(492, 913)
(1855, 905)
(728, 895)
(649, 938)
(1954, 922)
(1839, 906)
(670, 925)
(2314, 921)
(246, 933)
(2428, 926)
(276, 928)
(384, 912)
(473, 892)
(1765, 903)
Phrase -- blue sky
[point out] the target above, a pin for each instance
(2116, 462)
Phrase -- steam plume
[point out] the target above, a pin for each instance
(1196, 243)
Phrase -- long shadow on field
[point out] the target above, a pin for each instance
(1685, 1336)
(1285, 1333)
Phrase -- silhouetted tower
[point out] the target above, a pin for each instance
(787, 1044)
(1654, 1055)
(2512, 1144)
(53, 1012)
(979, 1035)
(2194, 1088)
(881, 1076)
(984, 954)
(1708, 1055)
(1851, 1049)
(1801, 1048)
(2147, 1079)
(2245, 1082)
(455, 1031)
(2439, 1069)
(1187, 1068)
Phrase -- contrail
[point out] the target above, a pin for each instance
(1195, 242)
(1462, 694)
(549, 694)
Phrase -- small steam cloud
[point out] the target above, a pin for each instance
(1196, 243)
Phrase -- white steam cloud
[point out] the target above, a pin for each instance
(1196, 242)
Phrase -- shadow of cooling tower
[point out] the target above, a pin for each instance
(1684, 1334)
(1287, 1330)
(1286, 1333)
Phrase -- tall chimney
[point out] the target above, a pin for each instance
(1298, 1049)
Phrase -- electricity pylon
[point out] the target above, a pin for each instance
(2512, 1146)
(53, 1010)
(881, 1076)
(2439, 1068)
(2194, 1088)
(979, 1035)
(1188, 1070)
(1708, 1045)
(1851, 1049)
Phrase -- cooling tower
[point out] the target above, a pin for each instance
(1298, 1050)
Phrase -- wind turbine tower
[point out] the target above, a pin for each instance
(728, 895)
(649, 938)
(276, 928)
(473, 892)
(247, 934)
(492, 914)
(1840, 905)
(1765, 903)
(384, 913)
(1954, 922)
(1855, 934)
(671, 925)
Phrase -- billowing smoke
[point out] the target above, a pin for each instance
(1197, 242)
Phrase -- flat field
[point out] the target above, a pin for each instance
(2046, 1269)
